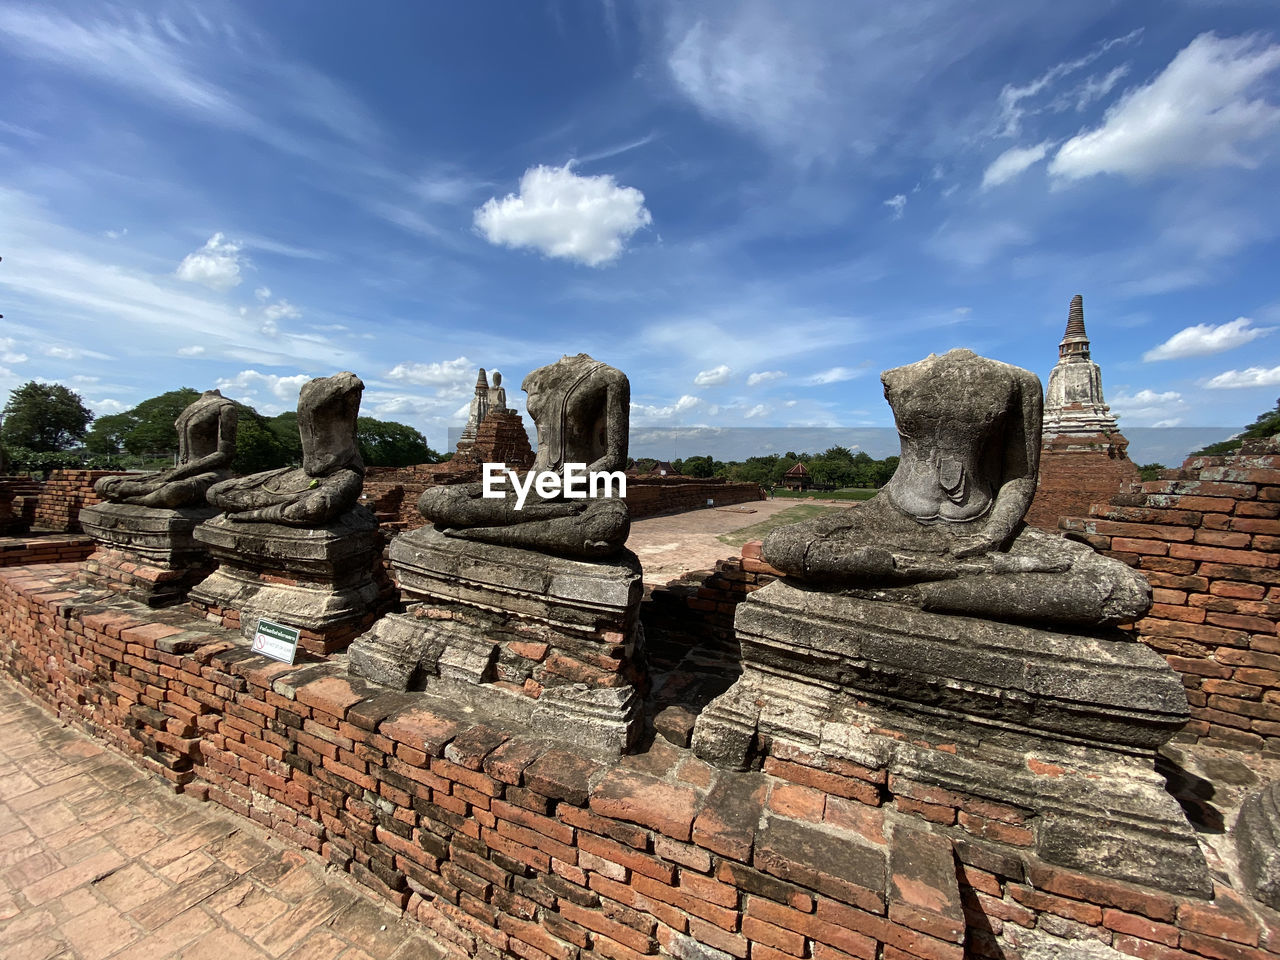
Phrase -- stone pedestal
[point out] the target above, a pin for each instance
(1064, 726)
(324, 580)
(146, 553)
(541, 640)
(1257, 836)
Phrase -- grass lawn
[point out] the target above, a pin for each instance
(849, 493)
(801, 511)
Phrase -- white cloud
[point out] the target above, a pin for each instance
(193, 351)
(263, 294)
(764, 376)
(759, 410)
(1011, 163)
(1205, 338)
(283, 310)
(107, 406)
(745, 73)
(713, 377)
(648, 412)
(897, 203)
(1196, 113)
(8, 353)
(1250, 377)
(1012, 108)
(249, 385)
(564, 215)
(1147, 405)
(449, 373)
(834, 375)
(216, 264)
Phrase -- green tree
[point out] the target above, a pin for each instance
(258, 447)
(147, 428)
(44, 417)
(1151, 471)
(385, 443)
(285, 428)
(698, 467)
(1267, 425)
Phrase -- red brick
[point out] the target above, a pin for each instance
(637, 798)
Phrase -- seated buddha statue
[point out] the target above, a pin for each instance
(331, 477)
(581, 409)
(946, 532)
(206, 447)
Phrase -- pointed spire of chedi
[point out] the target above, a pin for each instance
(1075, 342)
(1083, 455)
(1073, 402)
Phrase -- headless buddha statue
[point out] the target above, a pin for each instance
(206, 447)
(946, 533)
(581, 409)
(331, 477)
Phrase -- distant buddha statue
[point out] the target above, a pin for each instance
(946, 532)
(497, 395)
(331, 477)
(581, 409)
(206, 447)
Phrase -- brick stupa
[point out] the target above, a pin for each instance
(1083, 458)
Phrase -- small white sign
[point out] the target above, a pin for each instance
(275, 640)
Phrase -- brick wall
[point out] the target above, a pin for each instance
(511, 846)
(63, 495)
(1075, 474)
(18, 498)
(648, 496)
(1207, 536)
(25, 551)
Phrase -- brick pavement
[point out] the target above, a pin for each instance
(99, 861)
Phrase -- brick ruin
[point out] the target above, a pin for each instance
(1083, 455)
(1207, 537)
(509, 845)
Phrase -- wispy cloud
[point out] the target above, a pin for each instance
(1197, 113)
(1242, 379)
(713, 377)
(1011, 163)
(1205, 339)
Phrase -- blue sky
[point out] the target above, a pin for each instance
(751, 208)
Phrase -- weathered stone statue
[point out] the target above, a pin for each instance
(145, 529)
(331, 476)
(928, 634)
(946, 532)
(206, 448)
(581, 409)
(497, 395)
(294, 545)
(1257, 837)
(530, 615)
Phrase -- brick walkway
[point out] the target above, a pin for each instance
(98, 861)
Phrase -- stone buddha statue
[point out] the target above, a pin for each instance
(331, 476)
(946, 533)
(581, 409)
(206, 447)
(497, 394)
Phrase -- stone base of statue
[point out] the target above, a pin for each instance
(149, 554)
(326, 580)
(1063, 726)
(540, 640)
(1257, 835)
